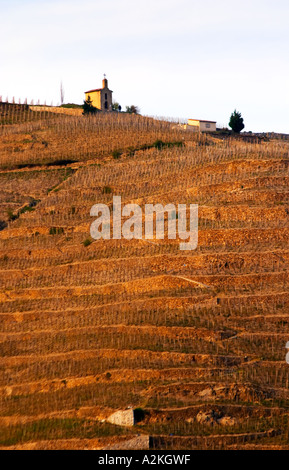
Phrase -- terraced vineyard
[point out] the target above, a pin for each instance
(134, 343)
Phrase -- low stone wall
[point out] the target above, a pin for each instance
(57, 110)
(141, 442)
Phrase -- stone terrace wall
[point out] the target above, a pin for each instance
(122, 418)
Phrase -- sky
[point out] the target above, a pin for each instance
(172, 58)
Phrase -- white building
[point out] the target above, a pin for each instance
(202, 126)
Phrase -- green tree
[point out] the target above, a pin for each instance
(88, 107)
(236, 122)
(116, 106)
(132, 109)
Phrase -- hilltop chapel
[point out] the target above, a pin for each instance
(101, 97)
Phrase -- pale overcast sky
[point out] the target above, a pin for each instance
(175, 58)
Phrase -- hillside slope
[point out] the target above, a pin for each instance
(188, 346)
